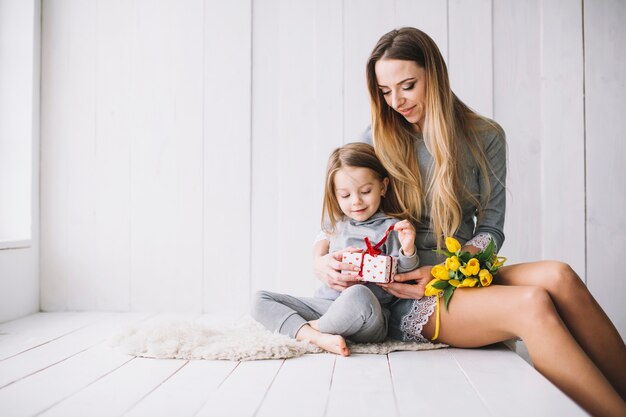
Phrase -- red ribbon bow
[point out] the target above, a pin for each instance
(374, 250)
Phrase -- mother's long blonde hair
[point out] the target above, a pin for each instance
(447, 121)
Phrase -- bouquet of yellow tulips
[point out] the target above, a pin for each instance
(462, 269)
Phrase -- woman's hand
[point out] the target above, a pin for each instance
(400, 289)
(406, 235)
(328, 268)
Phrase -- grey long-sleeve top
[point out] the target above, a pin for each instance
(492, 220)
(352, 233)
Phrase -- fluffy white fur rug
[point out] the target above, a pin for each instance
(242, 341)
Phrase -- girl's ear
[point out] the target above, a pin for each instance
(383, 188)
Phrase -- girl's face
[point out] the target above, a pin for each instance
(358, 191)
(403, 84)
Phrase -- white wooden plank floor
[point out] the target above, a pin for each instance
(59, 364)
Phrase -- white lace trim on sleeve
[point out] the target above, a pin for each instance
(481, 241)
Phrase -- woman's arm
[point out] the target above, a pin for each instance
(401, 289)
(490, 223)
(328, 266)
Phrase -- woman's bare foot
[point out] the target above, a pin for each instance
(333, 343)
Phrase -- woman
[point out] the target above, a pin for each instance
(448, 164)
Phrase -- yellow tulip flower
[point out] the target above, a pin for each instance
(455, 283)
(430, 290)
(452, 245)
(469, 282)
(452, 263)
(472, 268)
(499, 261)
(440, 272)
(485, 277)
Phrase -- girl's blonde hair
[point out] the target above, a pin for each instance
(447, 121)
(354, 155)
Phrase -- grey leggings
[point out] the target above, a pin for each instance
(356, 314)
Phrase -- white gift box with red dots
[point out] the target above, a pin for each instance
(379, 268)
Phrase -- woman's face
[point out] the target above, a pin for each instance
(403, 84)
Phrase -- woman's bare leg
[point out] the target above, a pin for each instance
(330, 342)
(479, 317)
(582, 315)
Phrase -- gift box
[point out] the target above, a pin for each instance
(378, 268)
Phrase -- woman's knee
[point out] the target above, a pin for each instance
(560, 278)
(536, 308)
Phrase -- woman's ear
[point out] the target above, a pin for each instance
(383, 188)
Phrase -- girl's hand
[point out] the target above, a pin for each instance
(398, 288)
(406, 235)
(328, 269)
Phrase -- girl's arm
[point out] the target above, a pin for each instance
(406, 253)
(406, 235)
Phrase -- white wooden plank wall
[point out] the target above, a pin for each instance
(563, 134)
(605, 101)
(292, 135)
(184, 143)
(166, 156)
(470, 67)
(363, 23)
(61, 253)
(227, 167)
(114, 118)
(517, 95)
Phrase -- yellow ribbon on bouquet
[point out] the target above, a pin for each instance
(430, 291)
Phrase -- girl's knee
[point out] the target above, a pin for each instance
(358, 291)
(360, 301)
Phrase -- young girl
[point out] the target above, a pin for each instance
(358, 203)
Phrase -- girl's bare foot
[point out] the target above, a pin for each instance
(330, 342)
(333, 343)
